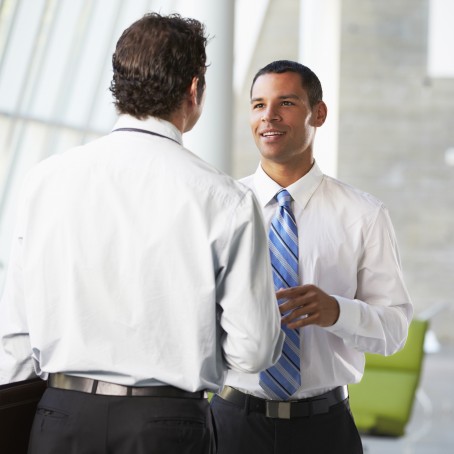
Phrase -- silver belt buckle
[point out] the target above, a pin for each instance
(279, 410)
(111, 389)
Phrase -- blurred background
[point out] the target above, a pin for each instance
(387, 69)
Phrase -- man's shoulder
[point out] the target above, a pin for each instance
(350, 193)
(247, 181)
(41, 170)
(231, 190)
(210, 182)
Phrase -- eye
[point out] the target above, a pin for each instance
(258, 105)
(287, 103)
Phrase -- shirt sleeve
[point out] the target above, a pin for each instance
(15, 351)
(252, 337)
(377, 320)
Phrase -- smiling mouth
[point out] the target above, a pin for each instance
(271, 133)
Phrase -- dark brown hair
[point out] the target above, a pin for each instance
(154, 63)
(309, 80)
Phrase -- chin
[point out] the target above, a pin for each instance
(272, 155)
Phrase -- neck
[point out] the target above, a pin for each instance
(283, 174)
(186, 116)
(177, 118)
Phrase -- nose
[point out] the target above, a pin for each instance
(270, 114)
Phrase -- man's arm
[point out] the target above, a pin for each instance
(377, 319)
(15, 350)
(250, 317)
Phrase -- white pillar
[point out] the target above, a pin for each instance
(320, 51)
(211, 138)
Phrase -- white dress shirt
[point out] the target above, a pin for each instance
(347, 247)
(135, 262)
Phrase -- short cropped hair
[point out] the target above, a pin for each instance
(309, 80)
(154, 63)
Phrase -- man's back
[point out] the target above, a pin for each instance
(134, 265)
(136, 228)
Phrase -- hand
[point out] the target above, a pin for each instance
(307, 305)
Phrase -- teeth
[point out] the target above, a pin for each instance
(272, 133)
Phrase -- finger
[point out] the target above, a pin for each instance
(290, 292)
(302, 310)
(289, 305)
(294, 303)
(296, 314)
(310, 319)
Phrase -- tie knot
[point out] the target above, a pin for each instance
(284, 198)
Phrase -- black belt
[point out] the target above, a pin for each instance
(87, 385)
(286, 409)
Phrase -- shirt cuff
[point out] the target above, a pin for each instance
(349, 316)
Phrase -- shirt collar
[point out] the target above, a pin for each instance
(301, 190)
(152, 124)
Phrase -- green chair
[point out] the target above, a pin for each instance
(382, 402)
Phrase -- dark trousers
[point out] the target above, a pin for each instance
(240, 432)
(72, 422)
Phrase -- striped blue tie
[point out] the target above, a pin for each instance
(283, 379)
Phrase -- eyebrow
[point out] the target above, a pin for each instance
(289, 96)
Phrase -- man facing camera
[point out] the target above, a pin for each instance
(336, 270)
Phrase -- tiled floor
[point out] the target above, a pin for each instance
(431, 428)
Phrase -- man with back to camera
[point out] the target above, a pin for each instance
(133, 282)
(338, 278)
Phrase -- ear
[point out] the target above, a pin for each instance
(192, 94)
(320, 112)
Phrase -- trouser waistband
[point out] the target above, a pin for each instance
(286, 409)
(87, 385)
